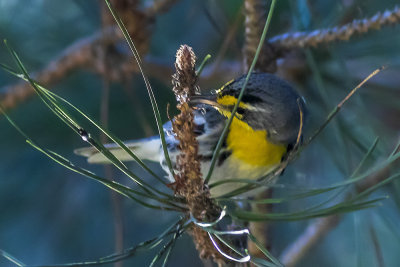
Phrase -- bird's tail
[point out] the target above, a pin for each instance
(145, 149)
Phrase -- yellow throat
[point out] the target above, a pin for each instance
(248, 145)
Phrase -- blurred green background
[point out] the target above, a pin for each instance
(51, 215)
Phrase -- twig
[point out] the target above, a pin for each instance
(311, 235)
(260, 229)
(77, 55)
(340, 105)
(338, 33)
(301, 118)
(82, 53)
(255, 14)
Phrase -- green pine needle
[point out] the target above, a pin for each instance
(147, 83)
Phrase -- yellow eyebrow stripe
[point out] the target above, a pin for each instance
(223, 86)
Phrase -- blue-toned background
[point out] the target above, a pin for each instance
(51, 215)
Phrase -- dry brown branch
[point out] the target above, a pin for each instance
(311, 235)
(316, 231)
(84, 52)
(80, 55)
(260, 229)
(255, 15)
(77, 55)
(339, 33)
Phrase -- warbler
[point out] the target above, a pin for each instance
(264, 129)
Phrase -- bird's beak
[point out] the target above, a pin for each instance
(210, 100)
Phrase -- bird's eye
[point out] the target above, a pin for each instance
(240, 111)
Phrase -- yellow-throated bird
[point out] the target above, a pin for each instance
(264, 130)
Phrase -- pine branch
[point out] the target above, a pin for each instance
(77, 55)
(255, 14)
(84, 53)
(308, 239)
(320, 37)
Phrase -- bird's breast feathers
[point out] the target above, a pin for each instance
(252, 146)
